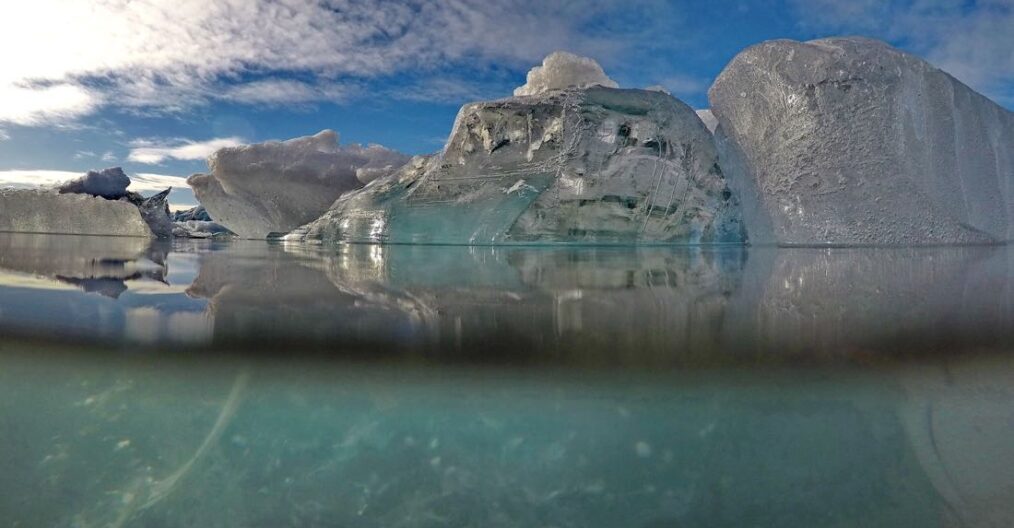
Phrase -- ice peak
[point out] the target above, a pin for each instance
(560, 70)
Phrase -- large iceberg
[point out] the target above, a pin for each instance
(273, 187)
(97, 203)
(850, 141)
(155, 212)
(49, 211)
(576, 165)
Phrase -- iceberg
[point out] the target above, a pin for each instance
(155, 212)
(561, 70)
(194, 213)
(274, 187)
(49, 211)
(848, 141)
(199, 229)
(197, 223)
(97, 203)
(594, 164)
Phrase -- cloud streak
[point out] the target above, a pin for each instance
(32, 179)
(169, 55)
(166, 56)
(153, 152)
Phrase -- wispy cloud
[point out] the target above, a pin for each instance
(35, 105)
(169, 55)
(153, 152)
(32, 178)
(278, 91)
(146, 181)
(4, 136)
(108, 157)
(29, 178)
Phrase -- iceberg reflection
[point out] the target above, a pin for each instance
(595, 306)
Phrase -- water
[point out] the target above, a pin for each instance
(256, 384)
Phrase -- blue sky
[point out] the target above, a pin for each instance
(154, 86)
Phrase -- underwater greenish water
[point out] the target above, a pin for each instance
(265, 384)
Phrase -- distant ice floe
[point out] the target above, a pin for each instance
(561, 70)
(274, 187)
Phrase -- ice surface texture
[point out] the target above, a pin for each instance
(108, 188)
(561, 70)
(199, 229)
(194, 213)
(592, 165)
(47, 211)
(708, 119)
(155, 212)
(850, 141)
(109, 183)
(273, 187)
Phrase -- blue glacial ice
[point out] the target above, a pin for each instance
(593, 164)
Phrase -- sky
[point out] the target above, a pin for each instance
(155, 86)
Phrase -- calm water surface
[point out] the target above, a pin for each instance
(261, 384)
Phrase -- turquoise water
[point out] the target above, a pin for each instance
(259, 384)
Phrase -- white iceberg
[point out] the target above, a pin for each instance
(580, 165)
(48, 211)
(561, 70)
(273, 187)
(106, 208)
(850, 141)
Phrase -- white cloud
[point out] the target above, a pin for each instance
(4, 136)
(34, 178)
(44, 104)
(145, 182)
(167, 55)
(561, 69)
(152, 152)
(108, 157)
(30, 178)
(276, 91)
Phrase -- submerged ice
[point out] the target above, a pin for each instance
(587, 165)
